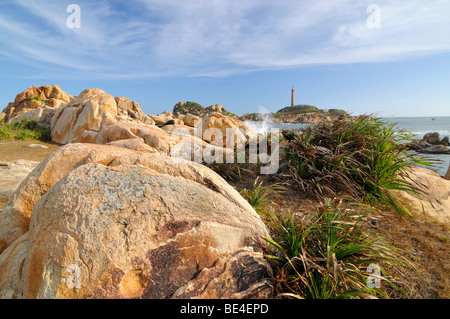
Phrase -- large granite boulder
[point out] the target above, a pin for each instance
(131, 109)
(98, 221)
(191, 120)
(82, 119)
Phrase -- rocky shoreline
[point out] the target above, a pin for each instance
(135, 222)
(112, 214)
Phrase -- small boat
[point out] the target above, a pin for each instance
(433, 119)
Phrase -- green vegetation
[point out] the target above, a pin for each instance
(297, 113)
(24, 130)
(37, 98)
(336, 112)
(362, 157)
(190, 107)
(328, 252)
(327, 257)
(197, 109)
(298, 109)
(260, 197)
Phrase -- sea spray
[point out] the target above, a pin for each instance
(265, 122)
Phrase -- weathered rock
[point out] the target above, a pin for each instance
(191, 120)
(435, 149)
(181, 117)
(131, 109)
(11, 263)
(41, 115)
(214, 108)
(171, 127)
(8, 111)
(418, 145)
(436, 202)
(445, 141)
(81, 120)
(136, 144)
(12, 174)
(152, 135)
(14, 219)
(214, 130)
(33, 99)
(167, 113)
(214, 282)
(162, 120)
(136, 225)
(423, 146)
(43, 93)
(432, 138)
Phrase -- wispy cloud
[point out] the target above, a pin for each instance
(154, 38)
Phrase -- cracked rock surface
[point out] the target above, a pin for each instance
(98, 221)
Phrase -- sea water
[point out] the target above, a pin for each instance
(417, 126)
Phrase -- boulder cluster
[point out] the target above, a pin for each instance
(95, 116)
(431, 143)
(111, 215)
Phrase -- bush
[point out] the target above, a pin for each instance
(298, 109)
(327, 257)
(190, 107)
(24, 130)
(362, 157)
(260, 197)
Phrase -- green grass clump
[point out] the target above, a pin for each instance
(327, 257)
(260, 197)
(363, 157)
(24, 130)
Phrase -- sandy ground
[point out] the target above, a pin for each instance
(13, 150)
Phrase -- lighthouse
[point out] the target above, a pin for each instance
(293, 97)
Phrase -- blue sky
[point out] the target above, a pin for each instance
(243, 54)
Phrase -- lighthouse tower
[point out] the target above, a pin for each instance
(293, 97)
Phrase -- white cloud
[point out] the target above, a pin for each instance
(153, 38)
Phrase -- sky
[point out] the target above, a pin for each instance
(384, 57)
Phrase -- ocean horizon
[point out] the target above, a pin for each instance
(417, 126)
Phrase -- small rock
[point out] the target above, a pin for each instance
(37, 146)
